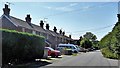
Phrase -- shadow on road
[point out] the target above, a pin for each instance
(34, 64)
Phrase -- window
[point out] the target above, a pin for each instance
(34, 32)
(47, 36)
(23, 29)
(73, 47)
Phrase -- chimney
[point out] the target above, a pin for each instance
(63, 33)
(6, 10)
(60, 31)
(41, 23)
(55, 29)
(47, 26)
(118, 15)
(69, 36)
(28, 19)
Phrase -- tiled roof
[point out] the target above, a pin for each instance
(55, 34)
(20, 22)
(24, 24)
(38, 28)
(49, 32)
(60, 35)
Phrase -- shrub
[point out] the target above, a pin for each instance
(108, 53)
(86, 43)
(21, 46)
(112, 42)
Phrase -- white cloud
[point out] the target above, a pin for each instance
(63, 8)
(70, 7)
(85, 8)
(49, 7)
(59, 8)
(73, 4)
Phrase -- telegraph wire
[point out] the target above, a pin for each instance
(97, 29)
(94, 6)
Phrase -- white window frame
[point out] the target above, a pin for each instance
(33, 32)
(47, 36)
(23, 29)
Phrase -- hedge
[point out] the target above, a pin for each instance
(108, 53)
(21, 46)
(110, 44)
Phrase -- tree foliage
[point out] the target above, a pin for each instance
(86, 43)
(88, 40)
(90, 36)
(112, 40)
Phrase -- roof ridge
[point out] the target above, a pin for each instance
(18, 19)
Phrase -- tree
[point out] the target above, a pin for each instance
(89, 40)
(90, 36)
(118, 39)
(86, 43)
(78, 42)
(80, 38)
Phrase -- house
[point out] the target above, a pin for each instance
(52, 37)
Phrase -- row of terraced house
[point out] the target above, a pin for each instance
(52, 37)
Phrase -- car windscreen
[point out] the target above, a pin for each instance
(70, 47)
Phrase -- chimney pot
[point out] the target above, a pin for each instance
(47, 26)
(28, 18)
(55, 29)
(60, 31)
(63, 33)
(69, 36)
(41, 23)
(6, 10)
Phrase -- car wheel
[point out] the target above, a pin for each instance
(75, 52)
(53, 55)
(56, 56)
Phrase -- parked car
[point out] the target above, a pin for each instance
(82, 49)
(78, 47)
(69, 46)
(52, 52)
(90, 49)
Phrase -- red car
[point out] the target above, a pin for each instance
(52, 52)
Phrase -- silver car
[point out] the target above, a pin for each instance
(69, 46)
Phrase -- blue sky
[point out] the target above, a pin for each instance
(75, 18)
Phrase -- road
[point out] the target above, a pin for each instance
(94, 58)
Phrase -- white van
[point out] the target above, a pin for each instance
(70, 46)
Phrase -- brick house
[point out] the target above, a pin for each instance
(52, 37)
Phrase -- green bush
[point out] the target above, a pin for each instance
(21, 46)
(86, 43)
(112, 42)
(108, 53)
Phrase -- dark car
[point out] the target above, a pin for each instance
(52, 52)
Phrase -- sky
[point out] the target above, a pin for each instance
(75, 18)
